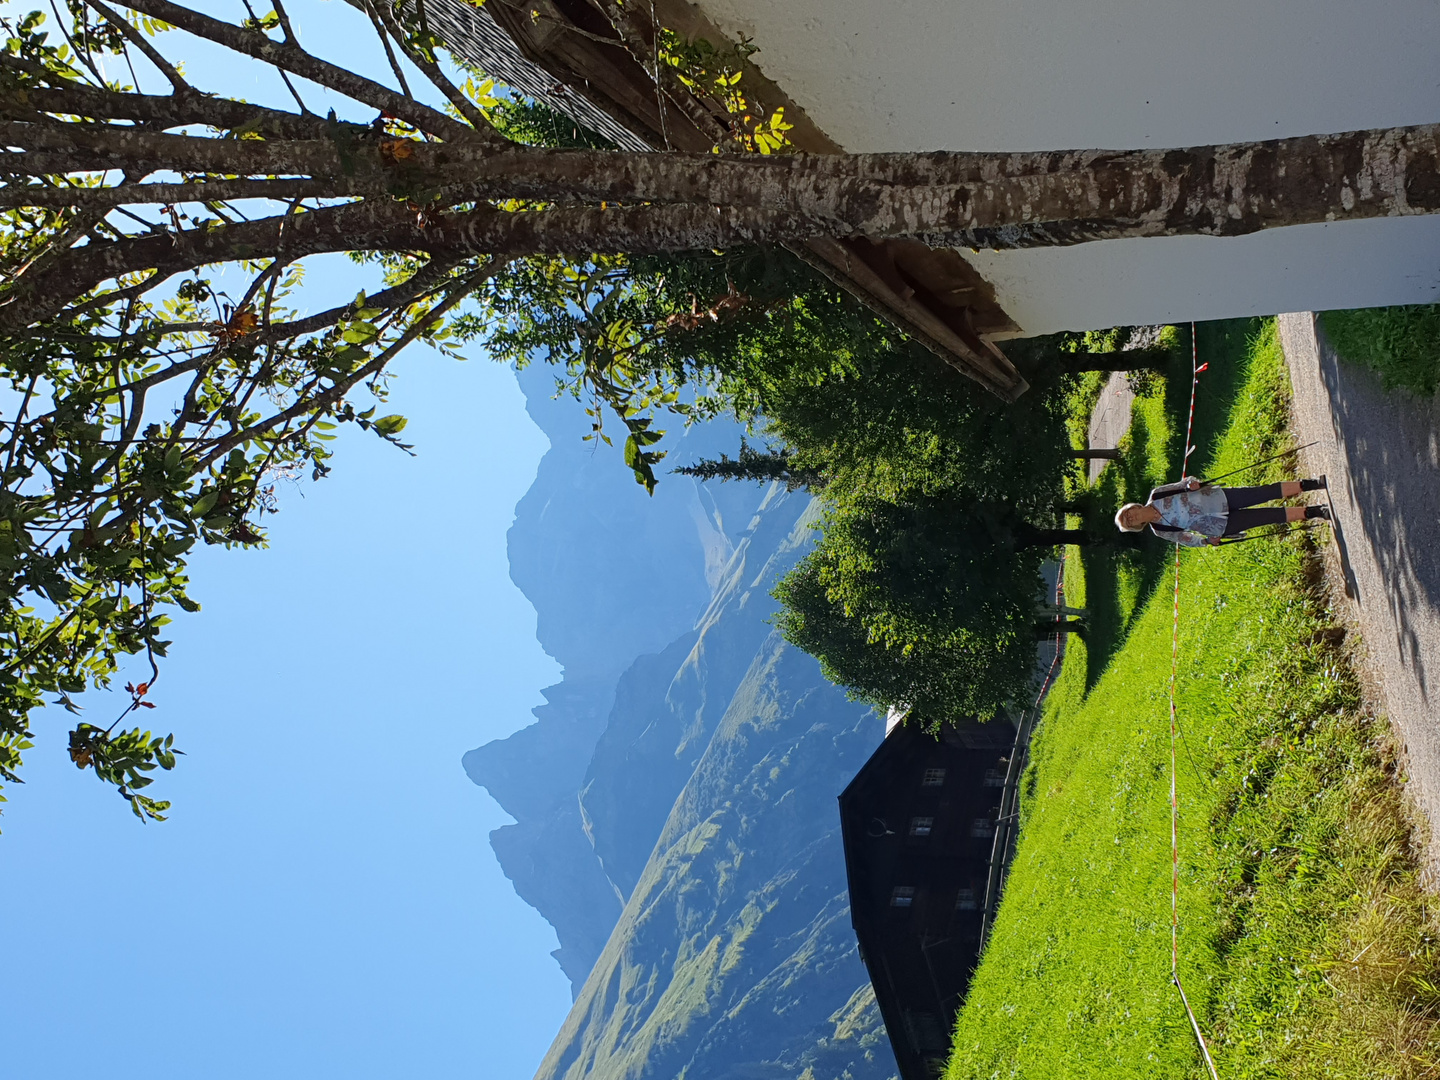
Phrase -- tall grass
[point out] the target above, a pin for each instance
(1401, 343)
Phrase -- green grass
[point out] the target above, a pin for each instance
(1306, 944)
(1153, 450)
(1401, 343)
(1083, 399)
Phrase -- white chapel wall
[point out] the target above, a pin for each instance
(1120, 74)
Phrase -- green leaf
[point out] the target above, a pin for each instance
(361, 333)
(391, 425)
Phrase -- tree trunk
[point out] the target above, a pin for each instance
(1049, 628)
(1052, 611)
(464, 190)
(1027, 536)
(1092, 454)
(943, 198)
(1032, 537)
(1151, 358)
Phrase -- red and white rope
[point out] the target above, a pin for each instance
(1195, 369)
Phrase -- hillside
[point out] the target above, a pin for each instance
(675, 799)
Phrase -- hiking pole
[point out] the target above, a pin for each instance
(1289, 526)
(1257, 464)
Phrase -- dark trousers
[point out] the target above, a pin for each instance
(1242, 516)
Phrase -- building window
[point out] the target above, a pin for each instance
(902, 896)
(982, 827)
(933, 778)
(994, 778)
(921, 826)
(965, 900)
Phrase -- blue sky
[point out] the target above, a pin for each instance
(323, 900)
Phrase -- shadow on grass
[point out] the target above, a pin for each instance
(1224, 346)
(1130, 562)
(1122, 576)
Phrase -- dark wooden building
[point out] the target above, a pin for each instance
(927, 826)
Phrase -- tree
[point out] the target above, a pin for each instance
(759, 334)
(928, 603)
(661, 202)
(157, 408)
(894, 425)
(1076, 352)
(697, 334)
(751, 464)
(464, 189)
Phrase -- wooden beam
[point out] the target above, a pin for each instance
(847, 264)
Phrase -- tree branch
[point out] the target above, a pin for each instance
(213, 355)
(81, 269)
(130, 292)
(285, 27)
(80, 224)
(40, 71)
(389, 226)
(431, 70)
(640, 37)
(395, 67)
(83, 54)
(87, 198)
(165, 110)
(137, 39)
(299, 62)
(407, 292)
(289, 40)
(112, 145)
(426, 279)
(328, 398)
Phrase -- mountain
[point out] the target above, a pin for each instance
(675, 798)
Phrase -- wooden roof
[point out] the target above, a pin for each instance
(566, 54)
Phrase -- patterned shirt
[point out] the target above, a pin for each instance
(1189, 518)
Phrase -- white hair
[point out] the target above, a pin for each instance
(1120, 518)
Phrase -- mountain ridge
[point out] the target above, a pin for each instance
(675, 799)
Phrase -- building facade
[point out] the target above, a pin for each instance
(1002, 75)
(922, 828)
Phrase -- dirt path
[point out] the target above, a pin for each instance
(1111, 418)
(1381, 451)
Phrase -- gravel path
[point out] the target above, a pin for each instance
(1111, 418)
(1381, 451)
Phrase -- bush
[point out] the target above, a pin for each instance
(1402, 344)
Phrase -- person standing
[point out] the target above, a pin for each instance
(1194, 514)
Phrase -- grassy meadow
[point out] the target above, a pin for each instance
(1307, 946)
(1402, 343)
